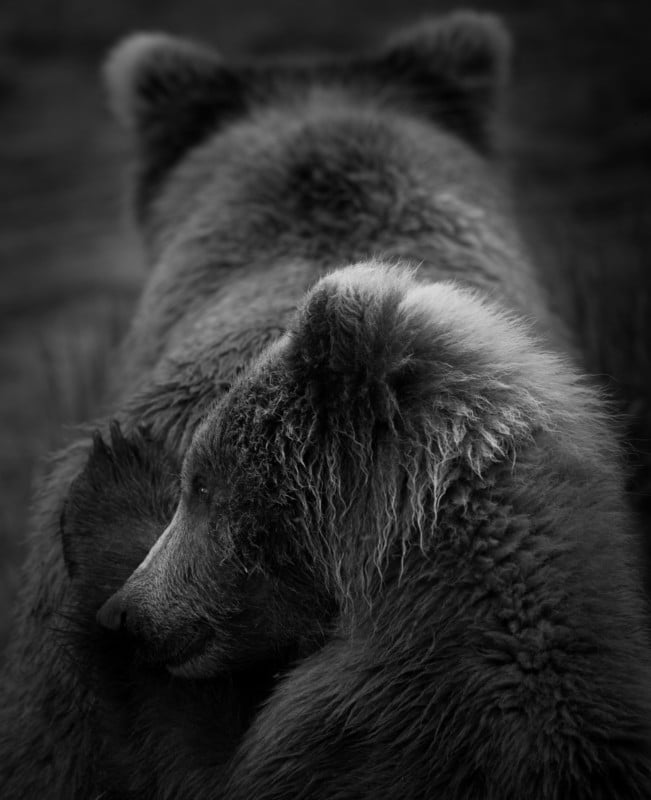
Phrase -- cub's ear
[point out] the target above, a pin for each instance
(169, 93)
(453, 69)
(115, 509)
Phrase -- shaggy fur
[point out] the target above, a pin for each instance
(252, 182)
(491, 636)
(450, 484)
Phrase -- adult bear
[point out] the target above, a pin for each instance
(252, 182)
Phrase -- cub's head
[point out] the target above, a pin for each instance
(327, 464)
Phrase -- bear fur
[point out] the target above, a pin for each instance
(449, 484)
(252, 182)
(131, 484)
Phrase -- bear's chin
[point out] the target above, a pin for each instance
(199, 665)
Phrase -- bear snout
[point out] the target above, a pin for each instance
(157, 641)
(128, 610)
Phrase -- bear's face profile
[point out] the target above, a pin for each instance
(116, 508)
(210, 596)
(232, 583)
(306, 486)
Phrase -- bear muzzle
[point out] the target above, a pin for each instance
(138, 606)
(131, 611)
(155, 636)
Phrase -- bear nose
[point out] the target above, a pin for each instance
(113, 614)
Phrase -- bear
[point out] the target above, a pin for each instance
(252, 181)
(449, 482)
(130, 484)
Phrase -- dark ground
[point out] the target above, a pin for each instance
(580, 140)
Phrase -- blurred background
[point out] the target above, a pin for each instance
(578, 137)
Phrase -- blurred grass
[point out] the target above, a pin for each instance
(53, 377)
(580, 143)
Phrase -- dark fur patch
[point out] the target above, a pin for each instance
(103, 539)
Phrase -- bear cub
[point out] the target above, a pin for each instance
(413, 455)
(115, 511)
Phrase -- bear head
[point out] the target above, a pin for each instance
(172, 94)
(309, 484)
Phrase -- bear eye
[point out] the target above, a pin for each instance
(200, 487)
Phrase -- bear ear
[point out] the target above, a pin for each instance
(452, 68)
(169, 94)
(372, 345)
(352, 341)
(116, 507)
